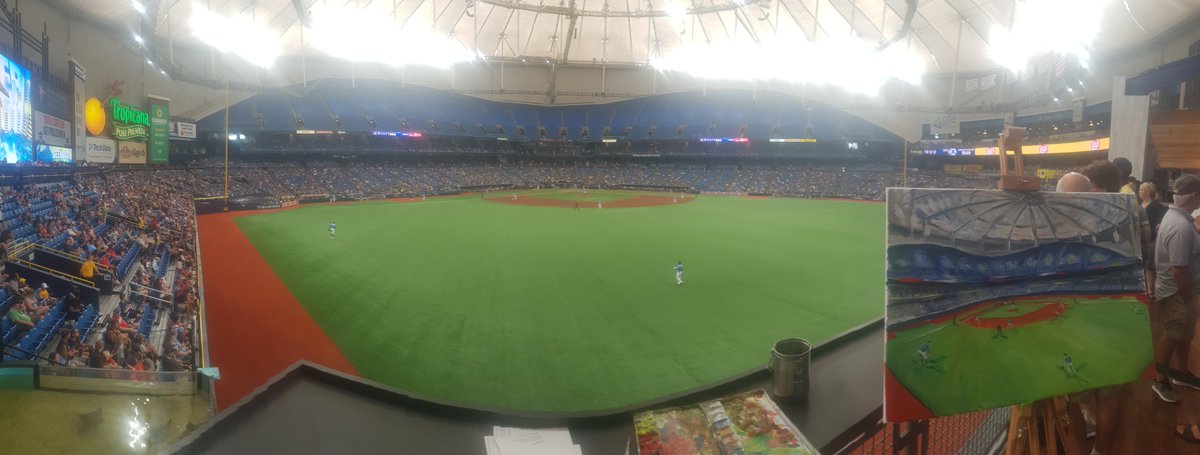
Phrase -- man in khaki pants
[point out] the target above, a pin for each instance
(1177, 266)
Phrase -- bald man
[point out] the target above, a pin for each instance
(1074, 182)
(1100, 413)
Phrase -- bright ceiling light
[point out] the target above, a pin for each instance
(1038, 29)
(676, 10)
(138, 38)
(137, 6)
(370, 35)
(850, 63)
(238, 35)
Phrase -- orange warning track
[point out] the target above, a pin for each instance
(256, 328)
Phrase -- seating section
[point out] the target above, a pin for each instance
(359, 180)
(34, 341)
(127, 260)
(74, 220)
(378, 105)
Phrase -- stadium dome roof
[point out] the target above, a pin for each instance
(975, 220)
(948, 34)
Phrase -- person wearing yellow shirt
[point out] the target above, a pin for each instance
(1125, 168)
(89, 269)
(44, 292)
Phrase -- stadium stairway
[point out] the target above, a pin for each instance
(108, 303)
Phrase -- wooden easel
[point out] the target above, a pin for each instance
(1011, 139)
(1046, 427)
(1050, 426)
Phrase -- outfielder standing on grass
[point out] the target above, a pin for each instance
(679, 273)
(923, 354)
(332, 229)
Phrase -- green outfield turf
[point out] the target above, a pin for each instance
(551, 309)
(974, 369)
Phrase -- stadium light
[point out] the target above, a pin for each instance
(239, 35)
(233, 137)
(137, 6)
(1038, 29)
(241, 137)
(676, 10)
(368, 34)
(850, 63)
(138, 38)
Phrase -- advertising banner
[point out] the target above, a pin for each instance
(53, 153)
(51, 130)
(181, 130)
(78, 78)
(129, 123)
(100, 150)
(131, 152)
(159, 144)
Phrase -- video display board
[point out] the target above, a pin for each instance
(16, 113)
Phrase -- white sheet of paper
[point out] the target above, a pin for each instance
(538, 449)
(552, 436)
(489, 445)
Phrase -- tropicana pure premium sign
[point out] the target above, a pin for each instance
(129, 122)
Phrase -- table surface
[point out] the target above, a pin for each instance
(304, 413)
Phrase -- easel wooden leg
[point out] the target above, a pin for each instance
(1046, 427)
(1072, 429)
(1018, 430)
(1048, 438)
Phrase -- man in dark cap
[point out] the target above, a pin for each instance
(1177, 263)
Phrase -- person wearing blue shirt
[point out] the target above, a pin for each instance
(923, 354)
(332, 230)
(679, 273)
(1068, 366)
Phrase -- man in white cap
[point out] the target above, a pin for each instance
(1177, 263)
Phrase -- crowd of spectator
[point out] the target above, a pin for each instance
(100, 220)
(365, 180)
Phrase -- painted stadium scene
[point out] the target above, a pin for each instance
(997, 298)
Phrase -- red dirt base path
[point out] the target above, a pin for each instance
(256, 328)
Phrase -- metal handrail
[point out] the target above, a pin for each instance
(68, 255)
(69, 277)
(19, 249)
